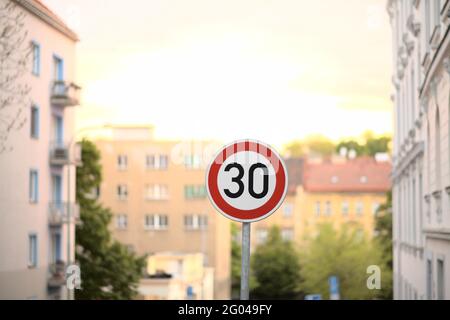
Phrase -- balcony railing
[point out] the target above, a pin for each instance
(57, 276)
(59, 213)
(65, 94)
(60, 154)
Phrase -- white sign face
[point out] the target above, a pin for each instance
(247, 181)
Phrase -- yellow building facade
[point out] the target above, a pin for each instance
(357, 210)
(156, 191)
(341, 193)
(337, 192)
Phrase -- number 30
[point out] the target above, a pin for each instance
(251, 175)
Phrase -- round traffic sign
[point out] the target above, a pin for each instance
(247, 181)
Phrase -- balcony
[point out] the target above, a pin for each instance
(65, 94)
(59, 213)
(57, 276)
(60, 155)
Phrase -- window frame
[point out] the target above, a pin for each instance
(122, 162)
(157, 218)
(36, 62)
(34, 122)
(33, 185)
(122, 221)
(122, 196)
(359, 205)
(33, 250)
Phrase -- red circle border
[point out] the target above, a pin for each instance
(270, 205)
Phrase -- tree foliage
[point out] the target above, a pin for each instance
(312, 145)
(347, 255)
(276, 268)
(14, 63)
(108, 269)
(367, 145)
(316, 145)
(383, 226)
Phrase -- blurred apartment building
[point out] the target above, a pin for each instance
(336, 191)
(177, 277)
(287, 215)
(342, 193)
(156, 191)
(36, 193)
(421, 166)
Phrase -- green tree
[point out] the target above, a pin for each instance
(276, 268)
(311, 145)
(108, 269)
(345, 254)
(350, 145)
(377, 145)
(383, 226)
(319, 145)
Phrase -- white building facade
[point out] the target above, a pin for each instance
(37, 191)
(421, 172)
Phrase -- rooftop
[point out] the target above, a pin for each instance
(363, 174)
(41, 11)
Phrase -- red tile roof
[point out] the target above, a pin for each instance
(359, 175)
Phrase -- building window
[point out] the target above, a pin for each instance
(375, 207)
(261, 236)
(58, 68)
(58, 129)
(34, 122)
(36, 68)
(156, 222)
(121, 221)
(122, 162)
(440, 279)
(56, 247)
(328, 210)
(194, 192)
(345, 208)
(317, 208)
(359, 208)
(288, 209)
(192, 162)
(287, 234)
(195, 222)
(155, 162)
(429, 279)
(427, 24)
(122, 192)
(437, 146)
(157, 192)
(34, 186)
(32, 251)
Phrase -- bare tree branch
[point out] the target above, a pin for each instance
(15, 59)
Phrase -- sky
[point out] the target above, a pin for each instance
(273, 70)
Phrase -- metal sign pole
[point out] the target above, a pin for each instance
(245, 271)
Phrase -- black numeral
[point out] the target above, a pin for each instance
(251, 176)
(251, 187)
(237, 179)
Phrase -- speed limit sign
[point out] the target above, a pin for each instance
(246, 182)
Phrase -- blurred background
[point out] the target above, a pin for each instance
(110, 113)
